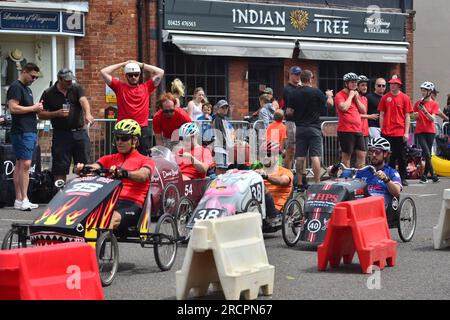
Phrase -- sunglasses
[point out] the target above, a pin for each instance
(133, 75)
(375, 152)
(168, 111)
(123, 138)
(381, 85)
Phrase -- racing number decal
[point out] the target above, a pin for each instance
(188, 189)
(207, 214)
(257, 192)
(85, 187)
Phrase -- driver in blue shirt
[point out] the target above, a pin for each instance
(386, 182)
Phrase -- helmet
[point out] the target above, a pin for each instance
(379, 143)
(363, 78)
(132, 68)
(427, 86)
(188, 130)
(127, 126)
(351, 77)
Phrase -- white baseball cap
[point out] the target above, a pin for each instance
(132, 68)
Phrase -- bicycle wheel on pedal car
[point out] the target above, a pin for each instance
(165, 246)
(407, 219)
(15, 238)
(107, 249)
(291, 222)
(184, 213)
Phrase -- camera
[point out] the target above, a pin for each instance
(5, 121)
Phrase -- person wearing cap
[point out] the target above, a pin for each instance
(133, 98)
(266, 110)
(373, 100)
(23, 110)
(395, 109)
(66, 105)
(269, 92)
(349, 108)
(425, 111)
(293, 84)
(168, 120)
(135, 171)
(306, 105)
(223, 136)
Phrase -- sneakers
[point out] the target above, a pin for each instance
(435, 179)
(25, 205)
(423, 179)
(274, 221)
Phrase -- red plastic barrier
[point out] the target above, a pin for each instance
(58, 272)
(358, 226)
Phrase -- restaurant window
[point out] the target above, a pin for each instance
(210, 73)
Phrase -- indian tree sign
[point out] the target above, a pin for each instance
(268, 19)
(52, 22)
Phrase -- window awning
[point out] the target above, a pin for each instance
(267, 47)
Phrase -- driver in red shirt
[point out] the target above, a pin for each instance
(133, 168)
(193, 159)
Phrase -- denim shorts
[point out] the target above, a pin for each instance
(24, 144)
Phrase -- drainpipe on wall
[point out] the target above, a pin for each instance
(140, 42)
(159, 28)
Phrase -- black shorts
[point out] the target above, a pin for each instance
(351, 141)
(68, 145)
(308, 139)
(130, 212)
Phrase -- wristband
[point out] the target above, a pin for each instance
(387, 180)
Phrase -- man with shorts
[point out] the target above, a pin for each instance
(66, 105)
(23, 131)
(293, 84)
(168, 120)
(395, 110)
(133, 98)
(349, 109)
(307, 103)
(133, 168)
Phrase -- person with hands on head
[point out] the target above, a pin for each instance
(386, 181)
(278, 182)
(23, 110)
(133, 98)
(349, 108)
(66, 105)
(425, 111)
(134, 168)
(193, 159)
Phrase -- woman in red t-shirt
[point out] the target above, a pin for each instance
(424, 112)
(193, 159)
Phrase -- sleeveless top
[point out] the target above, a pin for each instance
(196, 111)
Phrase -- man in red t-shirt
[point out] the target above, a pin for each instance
(363, 88)
(132, 97)
(168, 120)
(193, 159)
(133, 168)
(349, 109)
(395, 109)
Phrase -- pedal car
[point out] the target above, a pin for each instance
(311, 223)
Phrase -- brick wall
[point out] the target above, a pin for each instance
(409, 68)
(111, 37)
(238, 87)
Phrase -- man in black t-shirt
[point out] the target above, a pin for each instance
(373, 100)
(306, 104)
(68, 109)
(23, 131)
(294, 83)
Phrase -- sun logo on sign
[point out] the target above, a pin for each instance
(299, 19)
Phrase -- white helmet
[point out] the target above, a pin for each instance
(350, 77)
(188, 130)
(427, 86)
(379, 143)
(132, 68)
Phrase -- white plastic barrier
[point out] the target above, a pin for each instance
(228, 253)
(441, 232)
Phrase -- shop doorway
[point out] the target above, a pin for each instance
(263, 73)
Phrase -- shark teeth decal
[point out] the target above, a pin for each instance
(44, 239)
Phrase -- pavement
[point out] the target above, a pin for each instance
(421, 272)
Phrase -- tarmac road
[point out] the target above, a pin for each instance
(421, 272)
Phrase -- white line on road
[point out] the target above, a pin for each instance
(16, 220)
(418, 195)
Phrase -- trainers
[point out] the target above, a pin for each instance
(435, 179)
(423, 179)
(17, 204)
(272, 221)
(28, 206)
